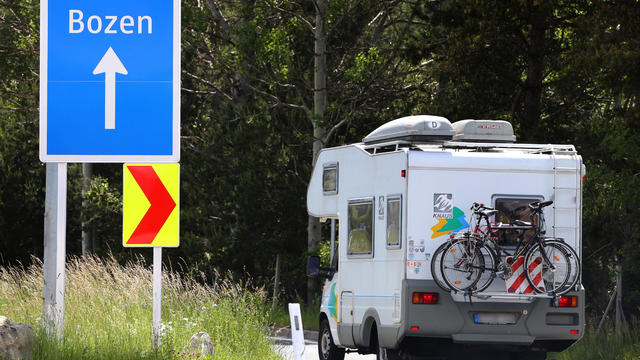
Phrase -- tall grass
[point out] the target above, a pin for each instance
(109, 312)
(279, 316)
(608, 344)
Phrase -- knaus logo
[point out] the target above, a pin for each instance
(443, 206)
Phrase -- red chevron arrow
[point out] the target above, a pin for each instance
(162, 205)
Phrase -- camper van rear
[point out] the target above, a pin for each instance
(398, 201)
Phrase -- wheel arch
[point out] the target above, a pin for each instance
(323, 316)
(371, 320)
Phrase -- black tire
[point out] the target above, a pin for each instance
(489, 271)
(388, 354)
(559, 280)
(436, 272)
(382, 353)
(327, 349)
(486, 277)
(462, 264)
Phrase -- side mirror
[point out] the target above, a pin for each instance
(313, 266)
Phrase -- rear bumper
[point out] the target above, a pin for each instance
(536, 323)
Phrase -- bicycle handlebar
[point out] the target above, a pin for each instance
(478, 206)
(485, 210)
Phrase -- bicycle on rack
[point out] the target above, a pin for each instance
(470, 262)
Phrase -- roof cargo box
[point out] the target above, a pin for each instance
(414, 129)
(483, 131)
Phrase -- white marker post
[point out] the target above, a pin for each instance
(110, 65)
(297, 331)
(157, 295)
(55, 232)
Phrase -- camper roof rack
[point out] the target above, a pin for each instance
(383, 147)
(530, 148)
(555, 149)
(417, 129)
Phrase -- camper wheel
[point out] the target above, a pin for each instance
(327, 349)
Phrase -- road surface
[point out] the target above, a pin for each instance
(283, 347)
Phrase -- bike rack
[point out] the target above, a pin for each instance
(502, 295)
(469, 295)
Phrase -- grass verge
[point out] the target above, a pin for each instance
(608, 344)
(109, 311)
(279, 316)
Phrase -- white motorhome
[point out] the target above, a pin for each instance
(398, 196)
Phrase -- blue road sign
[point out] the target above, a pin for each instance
(110, 81)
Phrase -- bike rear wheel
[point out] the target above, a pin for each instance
(488, 272)
(553, 267)
(462, 264)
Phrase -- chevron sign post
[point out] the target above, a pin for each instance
(151, 219)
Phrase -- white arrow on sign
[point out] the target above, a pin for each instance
(110, 65)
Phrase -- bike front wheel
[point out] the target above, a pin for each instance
(462, 264)
(436, 261)
(552, 267)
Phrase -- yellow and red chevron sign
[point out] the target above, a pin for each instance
(151, 214)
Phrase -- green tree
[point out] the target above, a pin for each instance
(259, 64)
(21, 173)
(606, 52)
(496, 59)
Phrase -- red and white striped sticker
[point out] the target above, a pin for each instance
(517, 283)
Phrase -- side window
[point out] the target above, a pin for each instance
(330, 179)
(394, 220)
(360, 239)
(511, 208)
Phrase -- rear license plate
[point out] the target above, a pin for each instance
(491, 318)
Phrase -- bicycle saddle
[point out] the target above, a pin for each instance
(540, 204)
(489, 212)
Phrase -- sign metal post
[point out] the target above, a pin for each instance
(157, 295)
(151, 219)
(55, 226)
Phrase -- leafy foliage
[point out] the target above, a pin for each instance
(560, 71)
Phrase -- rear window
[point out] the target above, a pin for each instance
(511, 208)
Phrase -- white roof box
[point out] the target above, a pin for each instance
(483, 131)
(415, 129)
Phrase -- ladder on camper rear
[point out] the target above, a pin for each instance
(567, 201)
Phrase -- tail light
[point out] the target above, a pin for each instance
(425, 298)
(568, 301)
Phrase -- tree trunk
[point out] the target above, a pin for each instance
(275, 282)
(87, 242)
(535, 74)
(319, 108)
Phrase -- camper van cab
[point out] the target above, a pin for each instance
(404, 191)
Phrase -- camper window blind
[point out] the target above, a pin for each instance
(394, 219)
(360, 240)
(330, 179)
